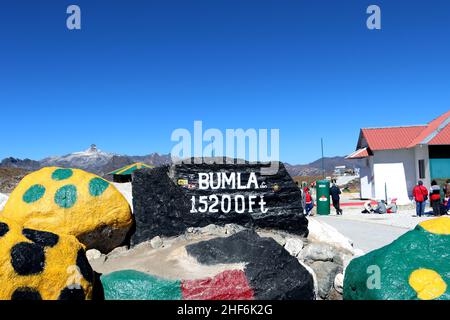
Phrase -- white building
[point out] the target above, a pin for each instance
(397, 157)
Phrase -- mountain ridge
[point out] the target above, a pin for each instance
(101, 163)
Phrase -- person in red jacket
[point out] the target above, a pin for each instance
(420, 194)
(308, 200)
(435, 198)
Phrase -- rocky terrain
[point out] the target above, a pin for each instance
(324, 254)
(10, 178)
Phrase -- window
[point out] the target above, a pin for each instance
(421, 169)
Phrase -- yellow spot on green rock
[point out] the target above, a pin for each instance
(427, 283)
(437, 226)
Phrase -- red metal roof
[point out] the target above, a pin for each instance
(443, 137)
(430, 130)
(437, 132)
(391, 138)
(359, 154)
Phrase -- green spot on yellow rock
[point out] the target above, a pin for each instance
(67, 207)
(66, 196)
(34, 193)
(97, 186)
(427, 283)
(62, 174)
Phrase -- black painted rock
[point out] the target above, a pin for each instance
(168, 200)
(248, 268)
(272, 273)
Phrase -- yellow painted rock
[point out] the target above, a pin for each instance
(74, 202)
(37, 265)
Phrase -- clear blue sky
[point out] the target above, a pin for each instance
(140, 69)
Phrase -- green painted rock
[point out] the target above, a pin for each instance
(135, 285)
(416, 266)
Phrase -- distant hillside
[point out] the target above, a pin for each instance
(10, 177)
(315, 168)
(92, 160)
(101, 163)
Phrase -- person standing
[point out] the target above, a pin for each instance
(309, 202)
(302, 196)
(420, 194)
(335, 197)
(435, 198)
(447, 188)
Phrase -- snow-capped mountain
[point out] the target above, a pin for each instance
(93, 160)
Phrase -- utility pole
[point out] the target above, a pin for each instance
(323, 160)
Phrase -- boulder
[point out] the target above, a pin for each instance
(73, 202)
(272, 273)
(413, 267)
(323, 232)
(117, 252)
(339, 283)
(169, 200)
(334, 295)
(326, 272)
(294, 246)
(242, 266)
(314, 276)
(41, 265)
(318, 251)
(93, 254)
(279, 238)
(232, 228)
(156, 242)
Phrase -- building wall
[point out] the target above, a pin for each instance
(421, 153)
(404, 156)
(366, 175)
